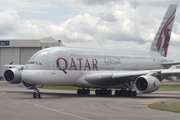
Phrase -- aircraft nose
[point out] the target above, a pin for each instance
(28, 76)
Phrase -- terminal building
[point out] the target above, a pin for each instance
(19, 51)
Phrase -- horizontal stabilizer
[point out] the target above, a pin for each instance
(169, 64)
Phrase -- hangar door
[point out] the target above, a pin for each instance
(26, 53)
(7, 55)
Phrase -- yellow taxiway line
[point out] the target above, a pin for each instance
(56, 110)
(2, 93)
(149, 102)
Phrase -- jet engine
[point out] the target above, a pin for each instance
(13, 75)
(147, 84)
(28, 86)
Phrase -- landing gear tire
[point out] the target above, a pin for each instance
(121, 93)
(130, 93)
(109, 92)
(34, 95)
(87, 92)
(83, 91)
(96, 92)
(37, 94)
(79, 92)
(103, 92)
(134, 93)
(126, 93)
(116, 93)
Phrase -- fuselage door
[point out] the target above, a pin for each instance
(53, 68)
(118, 67)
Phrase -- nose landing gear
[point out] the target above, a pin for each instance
(37, 94)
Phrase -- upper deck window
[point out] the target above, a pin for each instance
(35, 62)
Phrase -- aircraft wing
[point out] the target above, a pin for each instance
(118, 77)
(14, 66)
(108, 79)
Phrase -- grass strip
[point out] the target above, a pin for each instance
(173, 107)
(169, 87)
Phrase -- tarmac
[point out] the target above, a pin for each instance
(18, 104)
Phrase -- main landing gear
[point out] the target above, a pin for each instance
(37, 94)
(83, 91)
(107, 92)
(103, 92)
(125, 93)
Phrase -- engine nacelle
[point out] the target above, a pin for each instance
(13, 75)
(28, 86)
(147, 84)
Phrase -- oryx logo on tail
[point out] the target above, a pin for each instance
(165, 35)
(161, 41)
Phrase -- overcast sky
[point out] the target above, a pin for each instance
(110, 24)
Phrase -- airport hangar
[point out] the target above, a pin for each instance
(19, 51)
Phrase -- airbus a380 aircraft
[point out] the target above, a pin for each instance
(99, 68)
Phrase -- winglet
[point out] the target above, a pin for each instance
(11, 63)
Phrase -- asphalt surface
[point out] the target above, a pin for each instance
(18, 104)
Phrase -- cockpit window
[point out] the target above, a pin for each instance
(31, 62)
(35, 62)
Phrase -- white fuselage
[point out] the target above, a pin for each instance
(62, 66)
